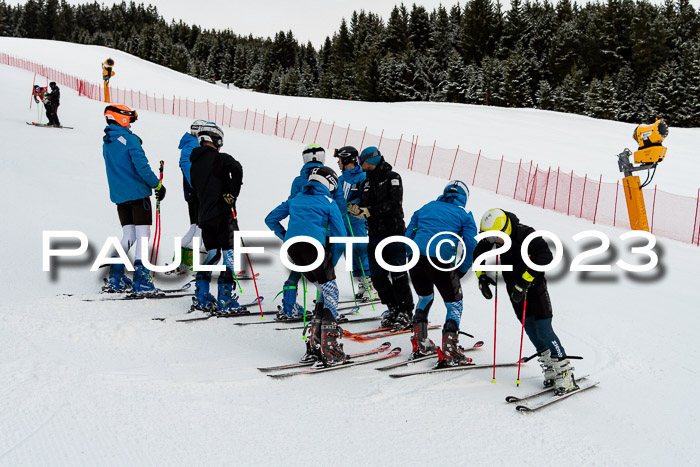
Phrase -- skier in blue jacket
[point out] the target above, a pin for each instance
(434, 228)
(349, 184)
(187, 143)
(314, 156)
(131, 182)
(313, 213)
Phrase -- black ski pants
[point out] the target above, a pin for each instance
(394, 288)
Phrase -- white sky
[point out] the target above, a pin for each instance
(309, 20)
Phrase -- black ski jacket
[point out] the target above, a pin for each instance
(538, 251)
(382, 193)
(55, 96)
(213, 175)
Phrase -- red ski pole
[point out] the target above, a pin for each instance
(495, 322)
(252, 272)
(522, 333)
(156, 235)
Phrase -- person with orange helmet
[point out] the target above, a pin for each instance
(130, 181)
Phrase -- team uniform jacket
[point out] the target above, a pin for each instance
(350, 184)
(186, 146)
(382, 193)
(128, 173)
(214, 174)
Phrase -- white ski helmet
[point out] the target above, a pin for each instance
(211, 133)
(196, 125)
(314, 153)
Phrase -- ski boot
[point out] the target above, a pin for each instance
(332, 352)
(564, 381)
(313, 337)
(117, 282)
(388, 317)
(227, 302)
(296, 312)
(185, 262)
(545, 359)
(422, 346)
(143, 282)
(451, 353)
(203, 300)
(364, 290)
(403, 318)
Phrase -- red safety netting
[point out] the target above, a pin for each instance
(672, 216)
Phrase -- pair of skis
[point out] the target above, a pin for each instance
(233, 314)
(318, 368)
(161, 294)
(46, 125)
(553, 400)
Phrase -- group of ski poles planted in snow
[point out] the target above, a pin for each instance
(365, 203)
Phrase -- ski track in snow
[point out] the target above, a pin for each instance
(86, 383)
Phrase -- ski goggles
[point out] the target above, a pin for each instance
(363, 158)
(112, 109)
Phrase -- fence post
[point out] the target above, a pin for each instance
(173, 104)
(208, 118)
(379, 146)
(546, 187)
(331, 136)
(262, 128)
(453, 162)
(477, 167)
(517, 177)
(255, 119)
(653, 208)
(245, 123)
(583, 196)
(600, 182)
(347, 132)
(307, 129)
(277, 122)
(571, 181)
(410, 153)
(397, 149)
(284, 131)
(500, 168)
(320, 122)
(695, 224)
(230, 117)
(617, 191)
(415, 148)
(431, 157)
(179, 106)
(295, 128)
(556, 189)
(527, 185)
(531, 198)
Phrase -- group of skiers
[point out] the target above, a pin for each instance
(51, 101)
(365, 201)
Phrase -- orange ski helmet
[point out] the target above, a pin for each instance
(120, 114)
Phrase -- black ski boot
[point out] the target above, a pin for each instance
(332, 352)
(403, 318)
(451, 353)
(313, 337)
(389, 316)
(422, 346)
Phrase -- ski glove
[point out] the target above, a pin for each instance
(160, 192)
(484, 282)
(357, 211)
(230, 200)
(520, 288)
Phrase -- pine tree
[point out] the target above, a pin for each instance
(397, 36)
(545, 97)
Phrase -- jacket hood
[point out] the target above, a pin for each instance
(188, 140)
(315, 188)
(113, 132)
(306, 168)
(354, 171)
(458, 199)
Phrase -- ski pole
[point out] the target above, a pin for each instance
(522, 333)
(156, 236)
(252, 272)
(33, 95)
(495, 323)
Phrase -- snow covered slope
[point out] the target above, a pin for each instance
(585, 145)
(86, 383)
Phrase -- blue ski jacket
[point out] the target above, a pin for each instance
(187, 144)
(128, 173)
(312, 212)
(350, 184)
(302, 179)
(446, 214)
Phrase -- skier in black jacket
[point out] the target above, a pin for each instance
(216, 178)
(381, 203)
(524, 283)
(51, 102)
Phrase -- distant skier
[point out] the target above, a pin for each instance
(313, 213)
(313, 156)
(524, 283)
(349, 184)
(429, 226)
(130, 183)
(51, 102)
(187, 143)
(381, 203)
(216, 178)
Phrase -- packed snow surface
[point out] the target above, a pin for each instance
(102, 383)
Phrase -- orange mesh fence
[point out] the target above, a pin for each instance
(670, 215)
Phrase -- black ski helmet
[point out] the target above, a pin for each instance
(52, 84)
(347, 155)
(326, 176)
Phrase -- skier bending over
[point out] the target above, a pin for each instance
(216, 179)
(430, 226)
(525, 283)
(187, 143)
(314, 213)
(130, 183)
